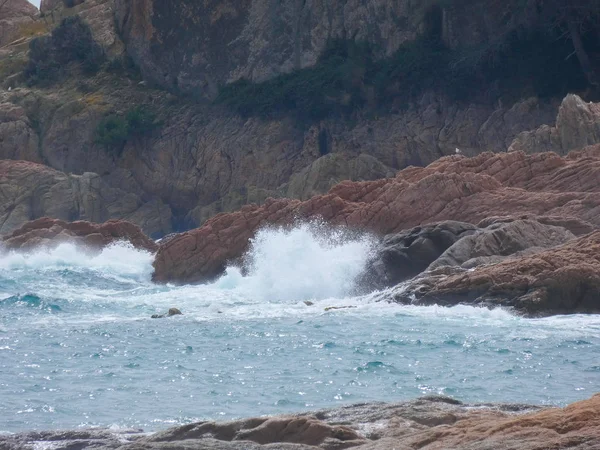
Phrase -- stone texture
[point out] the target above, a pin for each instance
(403, 255)
(577, 126)
(429, 423)
(452, 188)
(194, 47)
(203, 44)
(502, 240)
(561, 280)
(18, 140)
(204, 161)
(15, 14)
(29, 191)
(47, 233)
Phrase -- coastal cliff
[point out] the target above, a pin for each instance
(199, 154)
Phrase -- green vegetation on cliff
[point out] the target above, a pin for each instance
(115, 130)
(70, 42)
(542, 50)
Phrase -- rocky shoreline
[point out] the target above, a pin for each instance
(511, 230)
(428, 423)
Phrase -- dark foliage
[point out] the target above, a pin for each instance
(115, 130)
(70, 42)
(124, 66)
(348, 77)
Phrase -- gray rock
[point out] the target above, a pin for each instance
(500, 241)
(404, 255)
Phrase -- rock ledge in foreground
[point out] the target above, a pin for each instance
(429, 423)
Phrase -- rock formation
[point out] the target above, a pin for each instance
(404, 255)
(14, 16)
(565, 279)
(577, 126)
(429, 423)
(46, 232)
(29, 191)
(452, 188)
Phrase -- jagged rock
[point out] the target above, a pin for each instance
(576, 226)
(404, 255)
(29, 191)
(577, 126)
(428, 423)
(254, 39)
(452, 188)
(47, 232)
(499, 241)
(561, 280)
(205, 161)
(18, 140)
(14, 15)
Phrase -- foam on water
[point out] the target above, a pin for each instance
(308, 262)
(120, 259)
(78, 347)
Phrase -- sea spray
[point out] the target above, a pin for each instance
(78, 346)
(120, 258)
(307, 262)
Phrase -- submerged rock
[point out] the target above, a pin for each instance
(429, 423)
(172, 312)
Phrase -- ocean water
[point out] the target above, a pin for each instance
(78, 347)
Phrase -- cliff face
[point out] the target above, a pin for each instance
(196, 46)
(205, 159)
(14, 16)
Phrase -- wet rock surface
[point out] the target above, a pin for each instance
(48, 233)
(454, 188)
(561, 280)
(429, 423)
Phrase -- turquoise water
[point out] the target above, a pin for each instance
(78, 349)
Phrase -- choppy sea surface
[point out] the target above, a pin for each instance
(78, 347)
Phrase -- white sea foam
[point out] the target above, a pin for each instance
(118, 259)
(308, 262)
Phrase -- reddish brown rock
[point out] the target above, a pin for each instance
(428, 423)
(46, 232)
(453, 188)
(565, 279)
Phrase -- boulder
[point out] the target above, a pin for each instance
(453, 188)
(561, 280)
(47, 232)
(404, 255)
(499, 241)
(172, 312)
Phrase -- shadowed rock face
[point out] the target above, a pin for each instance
(430, 423)
(196, 46)
(46, 232)
(29, 191)
(452, 188)
(450, 244)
